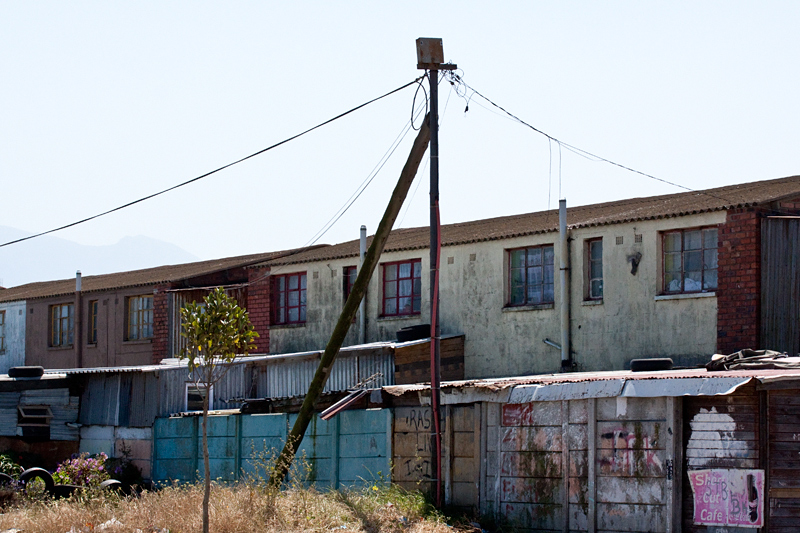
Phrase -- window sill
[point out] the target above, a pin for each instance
(288, 326)
(137, 341)
(685, 296)
(60, 348)
(391, 318)
(92, 345)
(515, 308)
(592, 302)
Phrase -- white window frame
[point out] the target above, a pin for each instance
(198, 386)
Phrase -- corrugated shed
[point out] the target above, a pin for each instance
(63, 415)
(8, 413)
(143, 405)
(51, 397)
(288, 377)
(100, 400)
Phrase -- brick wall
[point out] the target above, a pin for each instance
(739, 292)
(160, 324)
(258, 295)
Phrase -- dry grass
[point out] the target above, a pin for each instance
(241, 508)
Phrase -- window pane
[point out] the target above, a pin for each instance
(517, 276)
(390, 272)
(517, 258)
(517, 295)
(294, 282)
(390, 290)
(417, 269)
(282, 283)
(710, 279)
(692, 282)
(597, 288)
(534, 294)
(709, 259)
(417, 304)
(672, 281)
(405, 270)
(596, 270)
(548, 293)
(691, 240)
(694, 261)
(390, 307)
(548, 274)
(548, 255)
(710, 238)
(672, 242)
(535, 276)
(672, 263)
(405, 306)
(294, 314)
(405, 287)
(302, 281)
(417, 287)
(534, 256)
(596, 250)
(281, 315)
(294, 299)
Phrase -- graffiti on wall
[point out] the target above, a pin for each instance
(629, 452)
(728, 497)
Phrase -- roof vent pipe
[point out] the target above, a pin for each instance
(362, 312)
(78, 281)
(566, 360)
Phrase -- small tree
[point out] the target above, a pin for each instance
(217, 331)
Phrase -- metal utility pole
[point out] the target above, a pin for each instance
(430, 57)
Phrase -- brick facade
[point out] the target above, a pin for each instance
(258, 307)
(160, 324)
(739, 289)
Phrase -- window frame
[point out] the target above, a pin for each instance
(280, 299)
(91, 323)
(64, 339)
(140, 314)
(2, 331)
(702, 250)
(198, 386)
(396, 282)
(25, 418)
(589, 296)
(349, 274)
(510, 276)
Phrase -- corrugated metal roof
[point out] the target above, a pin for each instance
(134, 278)
(630, 210)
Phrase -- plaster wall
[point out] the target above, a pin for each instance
(14, 353)
(632, 320)
(111, 348)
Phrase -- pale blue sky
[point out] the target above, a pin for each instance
(104, 102)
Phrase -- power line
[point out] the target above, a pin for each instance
(148, 197)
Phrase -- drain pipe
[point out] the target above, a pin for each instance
(78, 323)
(362, 308)
(566, 360)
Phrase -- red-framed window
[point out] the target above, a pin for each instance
(689, 260)
(594, 271)
(402, 288)
(530, 276)
(349, 279)
(289, 298)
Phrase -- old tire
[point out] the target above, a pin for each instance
(651, 365)
(112, 484)
(41, 473)
(25, 372)
(6, 480)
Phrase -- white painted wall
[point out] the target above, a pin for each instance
(630, 322)
(14, 354)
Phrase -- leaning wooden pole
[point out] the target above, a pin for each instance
(351, 306)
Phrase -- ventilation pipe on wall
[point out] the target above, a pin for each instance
(78, 327)
(566, 359)
(362, 308)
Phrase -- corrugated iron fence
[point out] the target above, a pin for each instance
(353, 447)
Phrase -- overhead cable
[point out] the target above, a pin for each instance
(148, 197)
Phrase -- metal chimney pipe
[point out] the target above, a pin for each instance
(78, 281)
(566, 360)
(78, 323)
(362, 308)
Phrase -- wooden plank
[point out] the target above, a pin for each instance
(565, 464)
(591, 496)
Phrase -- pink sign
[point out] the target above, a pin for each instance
(728, 497)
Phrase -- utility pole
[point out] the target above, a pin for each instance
(430, 57)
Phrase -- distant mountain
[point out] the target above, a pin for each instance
(47, 258)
